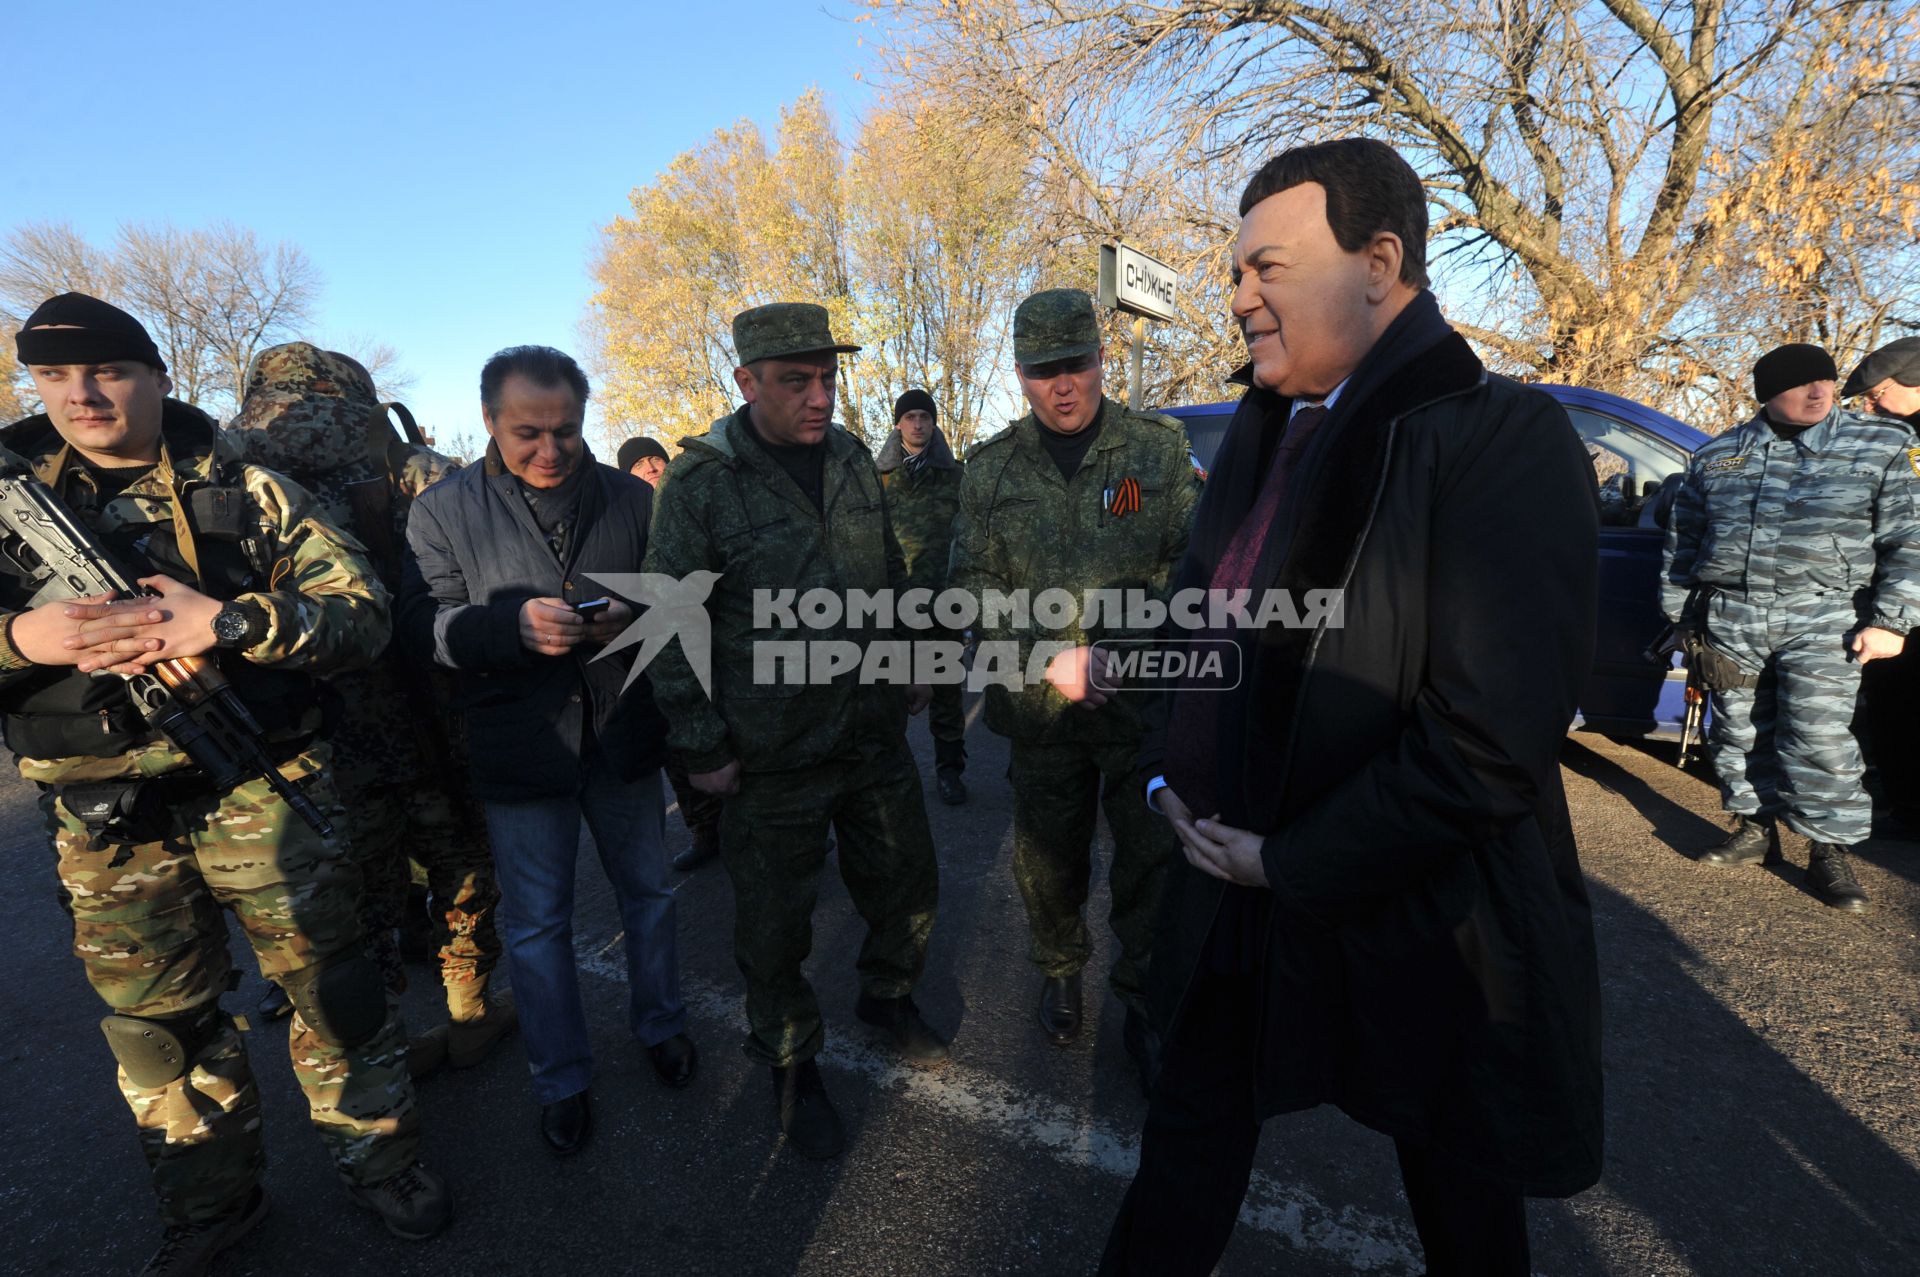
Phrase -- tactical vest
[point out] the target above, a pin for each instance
(58, 712)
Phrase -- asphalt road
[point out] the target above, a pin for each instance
(1761, 1054)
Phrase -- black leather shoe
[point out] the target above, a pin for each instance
(806, 1114)
(1060, 1008)
(705, 847)
(564, 1124)
(1750, 843)
(1143, 1044)
(1830, 877)
(953, 790)
(676, 1060)
(912, 1036)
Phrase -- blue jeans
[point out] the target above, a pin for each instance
(535, 847)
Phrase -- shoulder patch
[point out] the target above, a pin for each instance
(1913, 459)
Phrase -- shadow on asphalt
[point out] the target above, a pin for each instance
(1673, 823)
(1687, 1146)
(1737, 1185)
(1690, 834)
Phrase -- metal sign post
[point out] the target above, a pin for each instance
(1144, 288)
(1139, 354)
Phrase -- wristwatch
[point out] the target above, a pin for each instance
(239, 625)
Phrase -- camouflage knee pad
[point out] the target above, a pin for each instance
(344, 1001)
(155, 1051)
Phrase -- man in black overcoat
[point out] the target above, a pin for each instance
(1380, 905)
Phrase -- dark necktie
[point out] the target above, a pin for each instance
(1193, 730)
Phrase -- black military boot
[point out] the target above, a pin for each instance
(949, 760)
(1750, 843)
(912, 1036)
(806, 1114)
(415, 1204)
(1060, 1008)
(187, 1250)
(1830, 877)
(705, 846)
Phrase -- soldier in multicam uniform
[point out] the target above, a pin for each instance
(922, 480)
(1794, 552)
(776, 499)
(284, 597)
(315, 416)
(1080, 494)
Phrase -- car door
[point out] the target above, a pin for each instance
(1628, 694)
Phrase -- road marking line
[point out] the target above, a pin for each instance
(1364, 1241)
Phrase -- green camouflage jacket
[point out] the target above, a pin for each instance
(1023, 527)
(728, 507)
(922, 501)
(327, 613)
(314, 416)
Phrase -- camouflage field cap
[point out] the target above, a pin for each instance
(1056, 324)
(781, 329)
(307, 412)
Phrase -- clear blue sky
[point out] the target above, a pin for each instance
(446, 166)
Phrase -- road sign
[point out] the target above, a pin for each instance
(1134, 282)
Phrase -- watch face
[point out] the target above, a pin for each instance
(229, 625)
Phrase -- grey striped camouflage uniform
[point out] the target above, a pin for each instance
(1799, 543)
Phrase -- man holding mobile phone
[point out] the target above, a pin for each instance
(499, 587)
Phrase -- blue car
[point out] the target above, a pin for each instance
(1638, 456)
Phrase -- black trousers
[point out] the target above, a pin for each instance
(1890, 708)
(1196, 1157)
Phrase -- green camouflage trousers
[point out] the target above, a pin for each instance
(389, 824)
(151, 937)
(1056, 788)
(700, 812)
(947, 719)
(773, 840)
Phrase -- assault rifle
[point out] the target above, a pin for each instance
(186, 699)
(1686, 641)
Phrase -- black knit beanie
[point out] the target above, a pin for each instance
(637, 447)
(915, 398)
(74, 328)
(1785, 367)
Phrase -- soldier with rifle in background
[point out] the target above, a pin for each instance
(314, 416)
(166, 609)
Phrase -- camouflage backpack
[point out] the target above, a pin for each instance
(314, 416)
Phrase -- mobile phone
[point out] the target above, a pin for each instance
(592, 607)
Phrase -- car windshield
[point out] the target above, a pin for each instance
(1629, 464)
